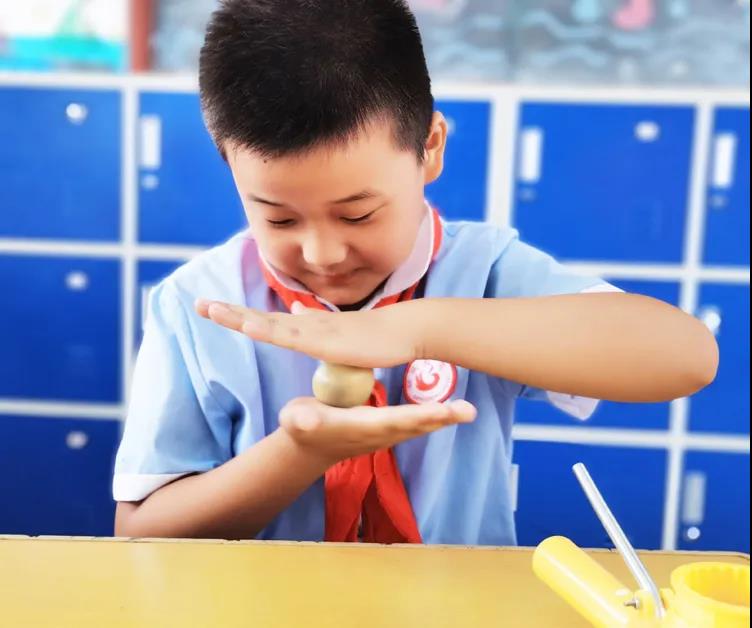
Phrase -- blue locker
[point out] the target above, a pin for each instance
(461, 191)
(551, 502)
(149, 275)
(56, 475)
(604, 182)
(60, 162)
(724, 405)
(727, 222)
(186, 191)
(714, 511)
(611, 414)
(60, 331)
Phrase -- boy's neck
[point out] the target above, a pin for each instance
(362, 303)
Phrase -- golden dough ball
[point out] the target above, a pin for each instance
(342, 386)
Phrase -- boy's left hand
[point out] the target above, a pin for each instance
(372, 338)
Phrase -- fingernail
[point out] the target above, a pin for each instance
(465, 409)
(202, 303)
(297, 308)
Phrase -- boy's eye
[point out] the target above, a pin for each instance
(281, 223)
(362, 218)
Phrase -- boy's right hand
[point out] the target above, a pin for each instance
(339, 433)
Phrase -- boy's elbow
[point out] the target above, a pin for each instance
(126, 523)
(701, 365)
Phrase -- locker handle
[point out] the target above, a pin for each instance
(695, 490)
(531, 154)
(150, 144)
(724, 160)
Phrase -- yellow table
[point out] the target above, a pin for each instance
(108, 583)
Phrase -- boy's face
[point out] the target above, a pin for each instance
(339, 219)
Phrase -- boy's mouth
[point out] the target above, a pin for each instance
(337, 278)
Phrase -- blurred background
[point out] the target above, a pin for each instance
(614, 134)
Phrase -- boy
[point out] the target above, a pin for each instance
(323, 111)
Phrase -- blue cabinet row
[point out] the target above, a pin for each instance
(186, 192)
(727, 221)
(714, 513)
(56, 475)
(60, 330)
(608, 182)
(550, 500)
(60, 340)
(724, 405)
(599, 181)
(60, 164)
(611, 182)
(55, 478)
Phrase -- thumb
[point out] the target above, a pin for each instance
(302, 414)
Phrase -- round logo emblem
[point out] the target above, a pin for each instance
(428, 381)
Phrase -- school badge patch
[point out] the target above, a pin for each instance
(428, 381)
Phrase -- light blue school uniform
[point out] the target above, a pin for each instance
(202, 394)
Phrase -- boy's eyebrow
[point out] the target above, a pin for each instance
(353, 198)
(360, 196)
(258, 199)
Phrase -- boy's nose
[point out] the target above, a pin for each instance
(322, 251)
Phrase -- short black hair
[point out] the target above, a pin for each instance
(283, 76)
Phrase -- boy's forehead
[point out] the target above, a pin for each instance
(371, 158)
(377, 135)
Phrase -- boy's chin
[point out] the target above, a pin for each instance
(348, 297)
(351, 293)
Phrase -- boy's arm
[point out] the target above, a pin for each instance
(241, 497)
(234, 501)
(618, 347)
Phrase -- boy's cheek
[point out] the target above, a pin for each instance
(276, 250)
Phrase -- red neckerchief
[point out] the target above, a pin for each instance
(368, 488)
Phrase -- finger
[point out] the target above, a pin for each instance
(279, 329)
(222, 315)
(455, 413)
(436, 416)
(202, 307)
(458, 411)
(462, 411)
(303, 415)
(413, 418)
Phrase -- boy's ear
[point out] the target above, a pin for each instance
(433, 163)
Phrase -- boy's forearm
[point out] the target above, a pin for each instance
(619, 347)
(234, 501)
